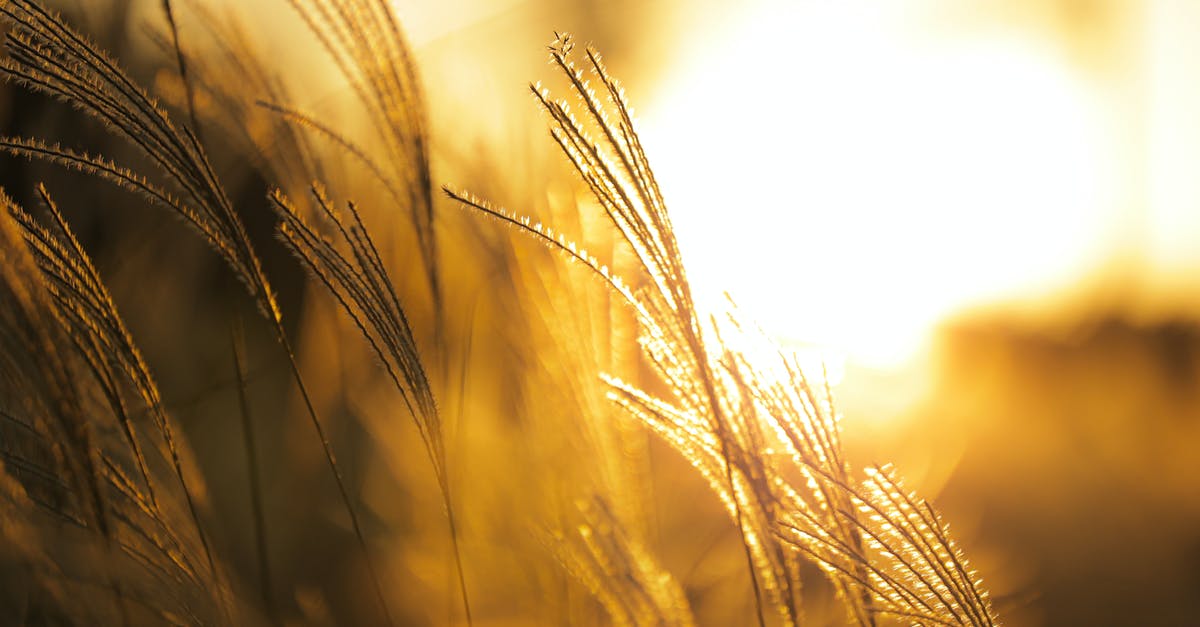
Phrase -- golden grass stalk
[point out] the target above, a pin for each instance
(47, 56)
(620, 572)
(365, 41)
(98, 333)
(742, 412)
(224, 88)
(360, 283)
(617, 172)
(238, 344)
(73, 367)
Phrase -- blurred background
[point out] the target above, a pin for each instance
(982, 216)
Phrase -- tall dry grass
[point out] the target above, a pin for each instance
(536, 497)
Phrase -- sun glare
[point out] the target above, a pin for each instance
(852, 178)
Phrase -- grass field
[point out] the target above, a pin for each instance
(297, 330)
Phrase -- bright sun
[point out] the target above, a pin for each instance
(852, 178)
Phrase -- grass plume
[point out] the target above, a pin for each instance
(362, 287)
(92, 444)
(734, 417)
(48, 56)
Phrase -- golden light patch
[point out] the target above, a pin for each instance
(854, 177)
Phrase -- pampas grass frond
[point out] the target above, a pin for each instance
(223, 88)
(48, 56)
(362, 287)
(90, 317)
(365, 40)
(743, 413)
(620, 572)
(83, 452)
